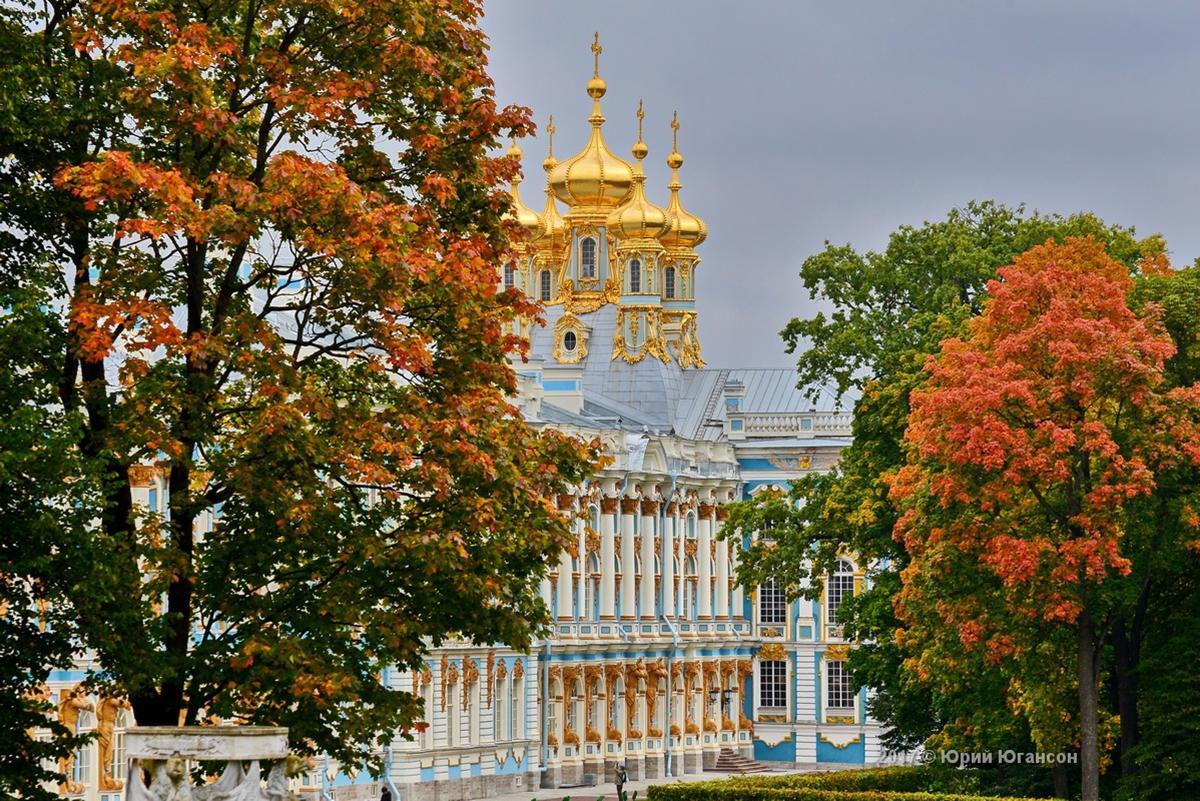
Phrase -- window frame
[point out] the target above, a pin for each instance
(772, 683)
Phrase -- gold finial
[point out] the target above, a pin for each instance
(596, 51)
(550, 162)
(674, 159)
(596, 86)
(639, 148)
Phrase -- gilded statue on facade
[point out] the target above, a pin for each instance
(106, 721)
(71, 704)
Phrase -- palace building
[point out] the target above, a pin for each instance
(657, 658)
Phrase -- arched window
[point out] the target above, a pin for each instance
(500, 707)
(82, 769)
(517, 717)
(119, 767)
(510, 276)
(592, 588)
(669, 283)
(690, 599)
(545, 286)
(840, 587)
(587, 258)
(570, 341)
(452, 715)
(635, 275)
(427, 711)
(691, 526)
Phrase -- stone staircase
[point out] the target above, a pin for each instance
(730, 762)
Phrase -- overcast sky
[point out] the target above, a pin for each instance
(806, 122)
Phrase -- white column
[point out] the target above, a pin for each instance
(628, 601)
(649, 576)
(581, 576)
(703, 558)
(739, 599)
(565, 580)
(608, 570)
(722, 600)
(668, 556)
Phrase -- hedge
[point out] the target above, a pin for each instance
(873, 784)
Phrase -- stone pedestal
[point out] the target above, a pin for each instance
(164, 752)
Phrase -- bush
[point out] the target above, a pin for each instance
(876, 784)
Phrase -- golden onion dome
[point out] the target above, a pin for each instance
(528, 219)
(594, 177)
(638, 218)
(553, 226)
(686, 229)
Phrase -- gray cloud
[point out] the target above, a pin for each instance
(806, 122)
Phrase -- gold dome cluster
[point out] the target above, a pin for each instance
(601, 188)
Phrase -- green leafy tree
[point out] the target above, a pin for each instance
(266, 235)
(890, 311)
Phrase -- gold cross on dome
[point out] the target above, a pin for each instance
(596, 51)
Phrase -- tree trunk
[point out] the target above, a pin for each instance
(1089, 747)
(1125, 659)
(1062, 780)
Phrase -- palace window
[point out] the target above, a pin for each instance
(772, 684)
(545, 286)
(772, 604)
(669, 282)
(587, 258)
(635, 275)
(838, 694)
(510, 276)
(840, 587)
(118, 768)
(452, 732)
(499, 708)
(517, 716)
(592, 588)
(82, 770)
(569, 341)
(427, 713)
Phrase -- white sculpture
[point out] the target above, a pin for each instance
(164, 752)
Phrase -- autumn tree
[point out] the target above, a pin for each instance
(888, 311)
(266, 235)
(1037, 434)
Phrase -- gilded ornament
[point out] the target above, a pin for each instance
(837, 652)
(772, 651)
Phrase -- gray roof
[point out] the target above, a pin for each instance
(662, 397)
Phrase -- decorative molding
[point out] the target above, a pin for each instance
(772, 651)
(857, 738)
(837, 651)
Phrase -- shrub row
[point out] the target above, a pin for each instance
(876, 784)
(900, 778)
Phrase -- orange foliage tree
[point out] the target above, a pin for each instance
(1036, 435)
(266, 233)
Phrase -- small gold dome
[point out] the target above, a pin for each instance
(686, 229)
(638, 218)
(528, 219)
(594, 177)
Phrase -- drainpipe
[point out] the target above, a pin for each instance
(545, 766)
(662, 604)
(387, 763)
(670, 690)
